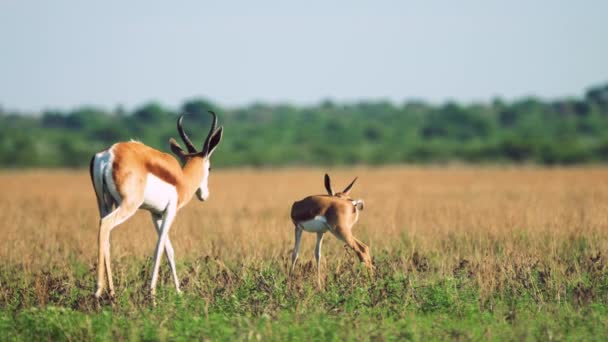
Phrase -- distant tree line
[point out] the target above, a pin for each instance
(529, 130)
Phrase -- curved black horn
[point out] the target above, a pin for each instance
(330, 191)
(182, 133)
(211, 131)
(347, 189)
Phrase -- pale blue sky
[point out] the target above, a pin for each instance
(62, 54)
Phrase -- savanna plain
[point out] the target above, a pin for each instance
(460, 253)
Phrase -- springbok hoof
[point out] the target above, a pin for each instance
(98, 293)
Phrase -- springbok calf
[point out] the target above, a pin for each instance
(131, 176)
(335, 212)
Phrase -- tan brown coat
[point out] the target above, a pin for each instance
(338, 212)
(131, 175)
(134, 160)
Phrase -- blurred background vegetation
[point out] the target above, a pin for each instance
(529, 130)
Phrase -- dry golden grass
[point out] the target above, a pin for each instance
(484, 215)
(517, 250)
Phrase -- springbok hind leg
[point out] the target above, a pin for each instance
(296, 249)
(109, 268)
(107, 208)
(118, 216)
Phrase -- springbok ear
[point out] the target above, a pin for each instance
(215, 140)
(347, 189)
(176, 149)
(328, 185)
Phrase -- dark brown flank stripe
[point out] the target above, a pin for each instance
(132, 154)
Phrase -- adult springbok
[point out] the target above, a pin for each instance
(131, 176)
(335, 212)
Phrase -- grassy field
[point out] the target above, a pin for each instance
(461, 253)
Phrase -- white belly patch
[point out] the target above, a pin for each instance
(317, 225)
(158, 194)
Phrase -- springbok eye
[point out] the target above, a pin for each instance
(209, 169)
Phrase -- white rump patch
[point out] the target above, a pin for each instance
(317, 225)
(104, 163)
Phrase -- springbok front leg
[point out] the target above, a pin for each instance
(296, 248)
(157, 220)
(360, 249)
(362, 252)
(318, 256)
(169, 215)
